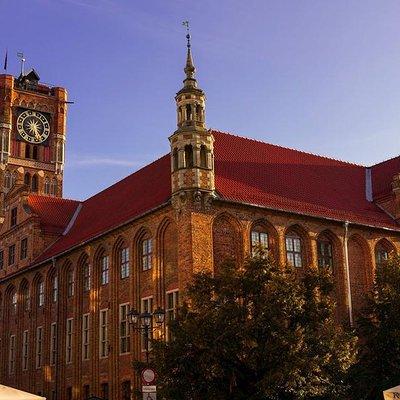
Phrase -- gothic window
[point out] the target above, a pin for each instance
(175, 159)
(27, 151)
(203, 156)
(34, 152)
(382, 251)
(27, 179)
(188, 156)
(86, 277)
(14, 302)
(54, 187)
(55, 289)
(25, 296)
(124, 262)
(7, 180)
(325, 253)
(35, 184)
(259, 240)
(105, 270)
(23, 249)
(70, 282)
(40, 293)
(294, 250)
(147, 254)
(188, 112)
(198, 112)
(47, 186)
(11, 254)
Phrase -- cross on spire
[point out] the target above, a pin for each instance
(189, 67)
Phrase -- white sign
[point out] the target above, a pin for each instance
(149, 389)
(149, 396)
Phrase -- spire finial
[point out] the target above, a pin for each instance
(189, 68)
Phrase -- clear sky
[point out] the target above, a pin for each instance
(316, 75)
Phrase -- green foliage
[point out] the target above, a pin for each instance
(256, 333)
(379, 363)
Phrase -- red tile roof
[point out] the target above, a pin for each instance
(54, 213)
(382, 176)
(247, 171)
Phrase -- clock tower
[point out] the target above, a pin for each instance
(32, 134)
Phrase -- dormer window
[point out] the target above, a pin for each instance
(13, 220)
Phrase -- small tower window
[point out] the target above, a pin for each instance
(7, 180)
(198, 112)
(175, 159)
(47, 186)
(188, 112)
(27, 179)
(54, 187)
(35, 184)
(35, 152)
(27, 151)
(203, 156)
(188, 156)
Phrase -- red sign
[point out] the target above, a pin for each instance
(148, 376)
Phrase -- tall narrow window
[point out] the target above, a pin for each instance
(54, 187)
(69, 393)
(147, 306)
(24, 249)
(175, 159)
(86, 277)
(53, 343)
(126, 390)
(85, 336)
(47, 186)
(7, 180)
(14, 302)
(35, 183)
(86, 392)
(103, 339)
(25, 350)
(124, 260)
(105, 270)
(68, 340)
(11, 356)
(325, 253)
(70, 282)
(381, 253)
(293, 250)
(55, 289)
(188, 112)
(39, 346)
(147, 254)
(27, 151)
(188, 156)
(11, 254)
(40, 293)
(1, 259)
(35, 152)
(259, 241)
(104, 390)
(124, 337)
(13, 219)
(27, 179)
(203, 156)
(171, 310)
(26, 300)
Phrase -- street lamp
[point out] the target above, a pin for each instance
(141, 322)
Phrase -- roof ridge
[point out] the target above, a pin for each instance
(126, 177)
(287, 148)
(54, 198)
(384, 161)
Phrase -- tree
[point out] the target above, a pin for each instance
(258, 332)
(378, 367)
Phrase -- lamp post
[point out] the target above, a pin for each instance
(141, 322)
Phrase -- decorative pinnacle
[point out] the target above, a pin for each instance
(190, 80)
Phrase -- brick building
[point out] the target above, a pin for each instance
(70, 270)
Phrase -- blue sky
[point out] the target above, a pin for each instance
(320, 76)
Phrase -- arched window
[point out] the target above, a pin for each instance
(382, 251)
(203, 156)
(175, 159)
(259, 240)
(27, 151)
(105, 270)
(325, 252)
(188, 112)
(54, 186)
(294, 252)
(86, 276)
(198, 112)
(13, 179)
(124, 262)
(27, 179)
(47, 186)
(7, 180)
(40, 293)
(14, 302)
(188, 156)
(70, 282)
(54, 294)
(34, 152)
(35, 184)
(146, 254)
(25, 296)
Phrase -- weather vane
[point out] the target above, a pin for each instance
(186, 24)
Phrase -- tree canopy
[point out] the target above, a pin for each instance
(256, 332)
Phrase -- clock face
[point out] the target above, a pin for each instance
(33, 126)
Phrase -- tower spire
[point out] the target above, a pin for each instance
(190, 80)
